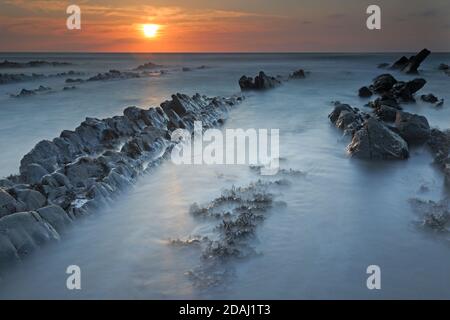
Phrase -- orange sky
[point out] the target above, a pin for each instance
(224, 26)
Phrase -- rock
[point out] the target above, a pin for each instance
(26, 231)
(80, 172)
(400, 63)
(386, 113)
(439, 143)
(376, 141)
(5, 183)
(443, 67)
(261, 82)
(30, 64)
(56, 217)
(415, 61)
(31, 198)
(412, 127)
(147, 66)
(186, 69)
(406, 90)
(364, 92)
(8, 204)
(431, 98)
(383, 83)
(299, 74)
(383, 65)
(34, 173)
(339, 107)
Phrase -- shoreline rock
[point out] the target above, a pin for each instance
(73, 174)
(261, 82)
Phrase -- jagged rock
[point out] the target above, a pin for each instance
(339, 107)
(405, 90)
(26, 231)
(261, 82)
(298, 74)
(383, 83)
(386, 113)
(412, 127)
(31, 198)
(410, 65)
(56, 217)
(30, 64)
(147, 66)
(415, 61)
(8, 204)
(34, 173)
(431, 98)
(377, 142)
(439, 143)
(364, 92)
(79, 173)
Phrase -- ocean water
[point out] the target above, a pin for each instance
(340, 217)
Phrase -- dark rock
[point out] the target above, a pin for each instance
(400, 63)
(8, 204)
(298, 74)
(412, 127)
(443, 67)
(30, 64)
(415, 61)
(439, 143)
(34, 173)
(383, 83)
(431, 98)
(386, 113)
(339, 107)
(364, 92)
(261, 82)
(376, 141)
(147, 66)
(383, 65)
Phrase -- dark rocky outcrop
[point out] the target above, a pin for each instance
(412, 127)
(261, 82)
(147, 66)
(76, 172)
(375, 141)
(431, 98)
(298, 74)
(411, 65)
(31, 64)
(28, 93)
(364, 92)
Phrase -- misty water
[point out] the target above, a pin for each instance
(340, 217)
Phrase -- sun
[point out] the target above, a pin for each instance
(150, 30)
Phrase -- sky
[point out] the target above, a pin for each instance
(225, 26)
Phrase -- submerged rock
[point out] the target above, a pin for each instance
(431, 98)
(376, 141)
(298, 74)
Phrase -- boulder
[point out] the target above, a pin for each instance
(339, 107)
(56, 217)
(376, 141)
(26, 231)
(386, 113)
(364, 92)
(8, 204)
(383, 83)
(400, 63)
(412, 127)
(31, 198)
(34, 173)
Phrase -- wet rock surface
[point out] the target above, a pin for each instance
(78, 171)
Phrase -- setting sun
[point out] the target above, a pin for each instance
(150, 30)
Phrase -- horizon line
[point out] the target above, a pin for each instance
(217, 52)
